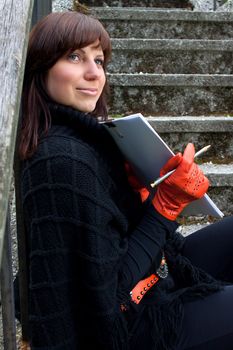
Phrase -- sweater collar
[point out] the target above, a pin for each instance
(64, 115)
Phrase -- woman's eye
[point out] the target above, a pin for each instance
(74, 57)
(99, 61)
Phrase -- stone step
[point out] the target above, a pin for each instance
(165, 24)
(171, 94)
(201, 131)
(187, 230)
(199, 124)
(172, 56)
(141, 3)
(189, 225)
(219, 174)
(221, 185)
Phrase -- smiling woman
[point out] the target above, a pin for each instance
(107, 268)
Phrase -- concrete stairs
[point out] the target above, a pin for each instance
(174, 66)
(141, 3)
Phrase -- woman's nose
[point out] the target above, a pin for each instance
(93, 71)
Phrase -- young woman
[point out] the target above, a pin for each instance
(107, 269)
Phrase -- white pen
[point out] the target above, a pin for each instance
(160, 179)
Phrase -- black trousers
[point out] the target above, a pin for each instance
(208, 323)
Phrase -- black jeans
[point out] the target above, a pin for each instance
(208, 323)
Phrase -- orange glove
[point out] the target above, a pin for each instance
(185, 185)
(135, 184)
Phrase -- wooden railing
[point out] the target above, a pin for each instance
(15, 23)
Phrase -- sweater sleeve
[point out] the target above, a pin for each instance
(80, 262)
(145, 247)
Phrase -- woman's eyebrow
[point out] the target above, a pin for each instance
(98, 46)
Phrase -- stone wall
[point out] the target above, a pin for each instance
(141, 3)
(210, 5)
(227, 6)
(196, 5)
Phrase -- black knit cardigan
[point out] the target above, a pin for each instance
(90, 240)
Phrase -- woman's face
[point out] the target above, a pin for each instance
(77, 79)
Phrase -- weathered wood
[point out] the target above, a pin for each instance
(6, 279)
(15, 21)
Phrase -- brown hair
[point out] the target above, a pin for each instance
(52, 37)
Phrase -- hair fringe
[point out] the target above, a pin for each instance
(80, 7)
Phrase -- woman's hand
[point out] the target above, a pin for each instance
(185, 185)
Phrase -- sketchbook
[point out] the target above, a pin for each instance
(147, 152)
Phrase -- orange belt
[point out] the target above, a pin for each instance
(138, 292)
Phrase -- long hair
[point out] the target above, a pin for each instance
(51, 38)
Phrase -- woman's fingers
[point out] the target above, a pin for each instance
(171, 164)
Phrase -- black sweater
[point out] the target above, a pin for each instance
(90, 241)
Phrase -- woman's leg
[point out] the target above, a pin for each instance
(208, 322)
(211, 249)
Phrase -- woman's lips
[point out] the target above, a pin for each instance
(91, 92)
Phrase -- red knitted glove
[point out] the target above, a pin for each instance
(135, 184)
(186, 184)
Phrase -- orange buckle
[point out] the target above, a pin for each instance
(138, 292)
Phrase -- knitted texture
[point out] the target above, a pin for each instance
(90, 239)
(74, 243)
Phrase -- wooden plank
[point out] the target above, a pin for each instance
(15, 23)
(6, 279)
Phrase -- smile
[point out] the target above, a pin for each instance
(91, 92)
